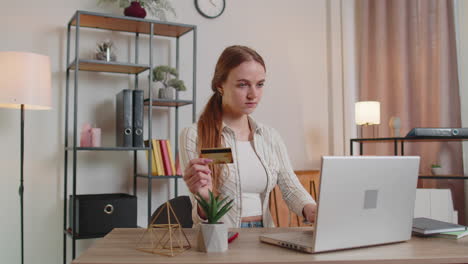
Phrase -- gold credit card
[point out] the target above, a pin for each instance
(218, 155)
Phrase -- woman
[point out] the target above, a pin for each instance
(260, 158)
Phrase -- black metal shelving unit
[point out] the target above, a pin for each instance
(401, 141)
(136, 26)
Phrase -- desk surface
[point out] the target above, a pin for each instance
(119, 247)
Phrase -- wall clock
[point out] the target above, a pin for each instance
(210, 8)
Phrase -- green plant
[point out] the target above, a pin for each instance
(157, 8)
(436, 166)
(104, 51)
(104, 46)
(168, 77)
(214, 208)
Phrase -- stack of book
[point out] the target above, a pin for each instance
(427, 226)
(162, 161)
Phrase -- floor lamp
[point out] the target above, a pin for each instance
(24, 84)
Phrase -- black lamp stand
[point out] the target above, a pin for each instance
(21, 188)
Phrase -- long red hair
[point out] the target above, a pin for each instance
(211, 119)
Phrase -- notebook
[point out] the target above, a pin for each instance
(453, 235)
(428, 226)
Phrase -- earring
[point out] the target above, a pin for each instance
(220, 92)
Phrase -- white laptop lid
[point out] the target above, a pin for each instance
(365, 200)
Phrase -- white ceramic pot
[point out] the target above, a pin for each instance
(436, 171)
(166, 93)
(213, 238)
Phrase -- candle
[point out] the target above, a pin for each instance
(95, 137)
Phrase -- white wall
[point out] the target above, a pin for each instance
(292, 37)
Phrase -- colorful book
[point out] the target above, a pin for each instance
(453, 235)
(154, 170)
(177, 165)
(171, 157)
(157, 155)
(165, 157)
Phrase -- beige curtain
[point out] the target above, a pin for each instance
(407, 62)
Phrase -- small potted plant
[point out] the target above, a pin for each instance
(104, 51)
(436, 169)
(213, 235)
(168, 77)
(138, 8)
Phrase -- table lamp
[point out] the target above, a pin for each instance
(367, 113)
(25, 83)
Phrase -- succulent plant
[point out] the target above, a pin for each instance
(214, 208)
(168, 77)
(104, 46)
(104, 51)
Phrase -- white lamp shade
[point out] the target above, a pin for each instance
(25, 78)
(367, 113)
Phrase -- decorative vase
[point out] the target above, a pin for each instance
(166, 93)
(135, 10)
(212, 238)
(395, 125)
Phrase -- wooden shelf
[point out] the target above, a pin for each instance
(108, 148)
(168, 103)
(104, 66)
(130, 24)
(69, 233)
(160, 176)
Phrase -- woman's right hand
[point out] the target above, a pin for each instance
(197, 176)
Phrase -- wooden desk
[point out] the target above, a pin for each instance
(119, 247)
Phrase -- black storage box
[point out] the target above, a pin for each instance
(98, 214)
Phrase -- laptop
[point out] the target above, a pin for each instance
(363, 201)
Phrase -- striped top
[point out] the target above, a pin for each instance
(272, 153)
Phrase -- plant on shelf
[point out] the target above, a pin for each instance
(168, 76)
(138, 8)
(104, 51)
(212, 236)
(436, 169)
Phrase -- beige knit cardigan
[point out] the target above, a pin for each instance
(272, 153)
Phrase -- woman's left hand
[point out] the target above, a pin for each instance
(309, 212)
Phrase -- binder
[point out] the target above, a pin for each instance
(124, 118)
(138, 118)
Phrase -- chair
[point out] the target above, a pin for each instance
(182, 207)
(282, 217)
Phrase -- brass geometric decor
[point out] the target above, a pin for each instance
(164, 239)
